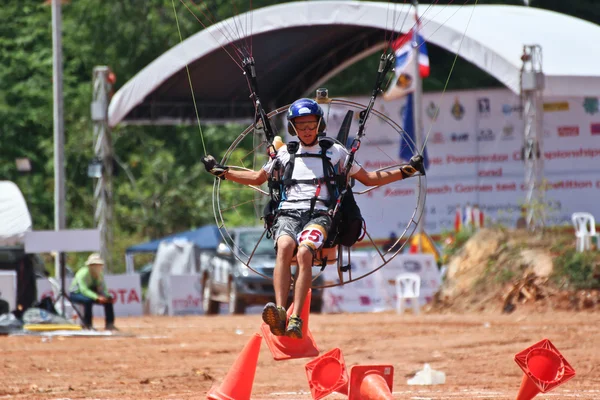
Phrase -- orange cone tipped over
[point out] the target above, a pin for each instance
(544, 369)
(327, 374)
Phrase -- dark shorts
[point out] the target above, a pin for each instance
(303, 227)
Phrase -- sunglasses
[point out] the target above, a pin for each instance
(306, 126)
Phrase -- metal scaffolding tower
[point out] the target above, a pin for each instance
(532, 86)
(101, 167)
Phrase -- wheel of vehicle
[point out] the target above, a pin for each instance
(209, 306)
(236, 304)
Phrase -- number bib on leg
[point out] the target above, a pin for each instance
(313, 236)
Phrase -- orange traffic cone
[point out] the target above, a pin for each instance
(285, 348)
(237, 385)
(327, 374)
(544, 367)
(371, 382)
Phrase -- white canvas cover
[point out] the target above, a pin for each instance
(490, 36)
(173, 258)
(15, 219)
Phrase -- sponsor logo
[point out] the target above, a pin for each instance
(432, 111)
(438, 138)
(457, 110)
(557, 106)
(404, 80)
(595, 129)
(483, 106)
(591, 105)
(508, 109)
(485, 135)
(508, 132)
(459, 137)
(412, 266)
(566, 131)
(376, 142)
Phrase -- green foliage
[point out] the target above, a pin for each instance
(505, 274)
(454, 241)
(160, 187)
(574, 270)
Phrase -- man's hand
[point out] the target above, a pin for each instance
(105, 299)
(211, 165)
(415, 165)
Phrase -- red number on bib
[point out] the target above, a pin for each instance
(313, 235)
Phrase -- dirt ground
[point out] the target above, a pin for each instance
(182, 357)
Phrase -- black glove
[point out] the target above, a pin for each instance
(414, 165)
(211, 165)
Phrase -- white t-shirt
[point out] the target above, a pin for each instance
(309, 168)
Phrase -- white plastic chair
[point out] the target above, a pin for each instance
(408, 286)
(585, 230)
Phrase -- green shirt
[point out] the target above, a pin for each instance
(87, 285)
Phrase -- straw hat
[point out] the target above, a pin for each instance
(94, 259)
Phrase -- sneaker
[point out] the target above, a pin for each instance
(294, 328)
(111, 328)
(276, 318)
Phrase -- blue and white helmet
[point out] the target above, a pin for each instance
(301, 108)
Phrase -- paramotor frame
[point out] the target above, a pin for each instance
(343, 261)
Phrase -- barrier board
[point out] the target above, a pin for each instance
(186, 294)
(126, 289)
(8, 288)
(474, 143)
(376, 292)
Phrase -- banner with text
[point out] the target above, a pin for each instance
(474, 143)
(185, 297)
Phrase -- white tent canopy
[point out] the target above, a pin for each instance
(15, 219)
(490, 36)
(173, 258)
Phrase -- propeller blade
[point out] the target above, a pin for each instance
(342, 135)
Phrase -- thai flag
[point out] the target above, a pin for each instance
(404, 51)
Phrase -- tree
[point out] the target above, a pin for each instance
(160, 187)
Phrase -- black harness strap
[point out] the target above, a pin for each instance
(329, 178)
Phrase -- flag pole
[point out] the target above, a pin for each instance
(418, 109)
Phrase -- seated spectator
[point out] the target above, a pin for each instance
(88, 288)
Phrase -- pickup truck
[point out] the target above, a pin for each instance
(228, 280)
